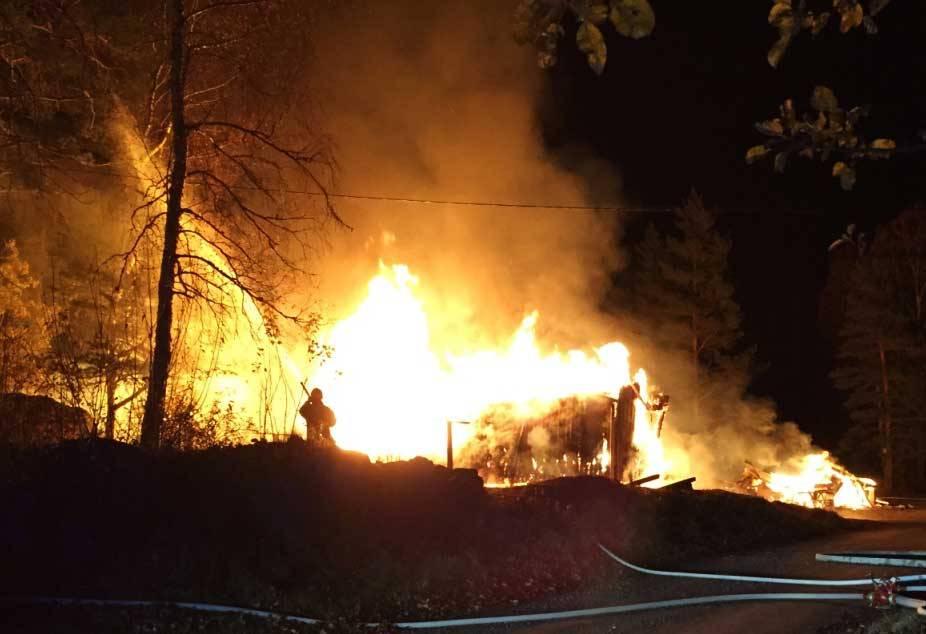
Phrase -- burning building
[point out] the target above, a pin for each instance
(536, 412)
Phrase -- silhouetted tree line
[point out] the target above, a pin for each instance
(881, 353)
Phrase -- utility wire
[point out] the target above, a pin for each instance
(457, 203)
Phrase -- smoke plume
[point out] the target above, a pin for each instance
(435, 101)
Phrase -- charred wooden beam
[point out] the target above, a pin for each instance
(649, 478)
(450, 440)
(450, 444)
(685, 484)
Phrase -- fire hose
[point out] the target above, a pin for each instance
(781, 580)
(885, 593)
(488, 620)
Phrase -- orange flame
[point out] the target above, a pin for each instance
(393, 386)
(818, 476)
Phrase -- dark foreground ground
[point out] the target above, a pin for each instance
(327, 534)
(900, 530)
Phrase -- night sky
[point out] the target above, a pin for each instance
(675, 111)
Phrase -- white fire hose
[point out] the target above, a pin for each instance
(886, 592)
(489, 620)
(781, 580)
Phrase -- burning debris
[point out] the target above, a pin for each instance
(818, 482)
(569, 440)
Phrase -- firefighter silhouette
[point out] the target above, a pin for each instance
(319, 419)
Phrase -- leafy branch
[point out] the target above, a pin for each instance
(790, 18)
(827, 132)
(539, 22)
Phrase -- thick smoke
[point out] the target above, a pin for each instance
(436, 101)
(730, 430)
(712, 431)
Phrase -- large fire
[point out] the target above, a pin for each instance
(395, 387)
(815, 481)
(411, 386)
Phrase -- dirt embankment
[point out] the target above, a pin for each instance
(328, 534)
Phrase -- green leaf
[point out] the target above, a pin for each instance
(772, 127)
(851, 18)
(845, 174)
(875, 6)
(857, 114)
(524, 21)
(820, 23)
(788, 115)
(778, 50)
(781, 14)
(548, 44)
(633, 18)
(884, 144)
(820, 123)
(554, 31)
(781, 160)
(847, 179)
(824, 100)
(755, 153)
(591, 42)
(596, 13)
(546, 60)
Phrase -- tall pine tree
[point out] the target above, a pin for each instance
(684, 296)
(881, 355)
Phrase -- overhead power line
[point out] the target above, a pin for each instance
(463, 203)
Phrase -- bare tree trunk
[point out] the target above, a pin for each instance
(113, 406)
(109, 430)
(886, 425)
(160, 363)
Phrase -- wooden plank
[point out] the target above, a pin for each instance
(649, 478)
(681, 484)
